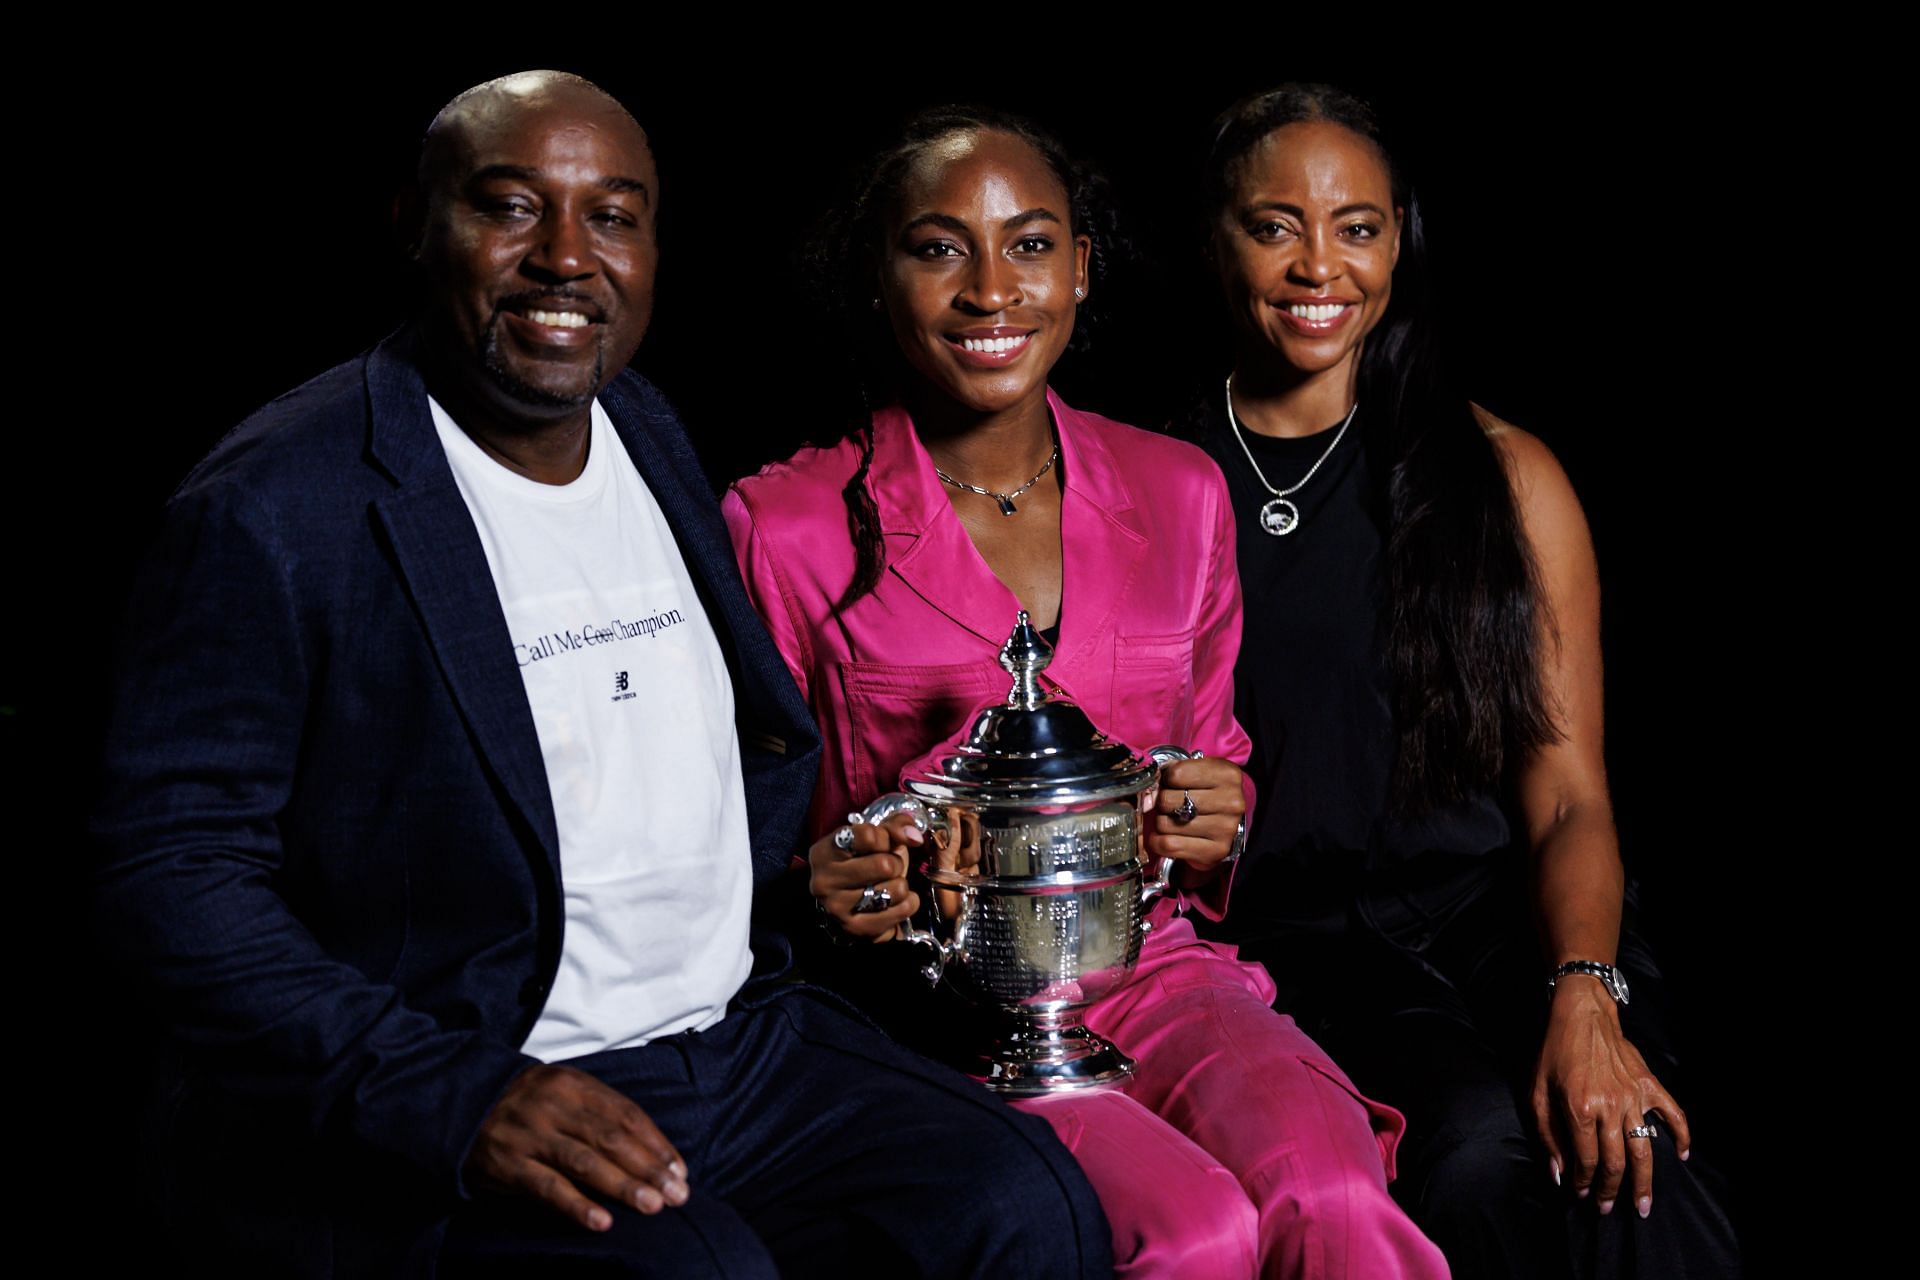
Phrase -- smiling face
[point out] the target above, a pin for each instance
(978, 268)
(538, 246)
(1307, 244)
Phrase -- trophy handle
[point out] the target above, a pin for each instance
(1162, 881)
(879, 811)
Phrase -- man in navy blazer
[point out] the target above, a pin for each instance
(331, 841)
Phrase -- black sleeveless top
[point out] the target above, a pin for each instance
(1311, 688)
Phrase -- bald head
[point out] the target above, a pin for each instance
(488, 107)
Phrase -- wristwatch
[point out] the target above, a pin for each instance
(1611, 978)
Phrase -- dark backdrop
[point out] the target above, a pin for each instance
(1587, 238)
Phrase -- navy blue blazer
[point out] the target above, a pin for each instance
(326, 844)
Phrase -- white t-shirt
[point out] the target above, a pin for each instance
(634, 710)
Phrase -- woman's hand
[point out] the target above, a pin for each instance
(1204, 839)
(848, 860)
(1590, 1087)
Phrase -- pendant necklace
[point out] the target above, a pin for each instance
(1279, 517)
(1004, 499)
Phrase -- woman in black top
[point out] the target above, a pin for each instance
(1421, 658)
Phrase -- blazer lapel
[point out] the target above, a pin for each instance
(779, 782)
(657, 444)
(1101, 552)
(942, 565)
(445, 567)
(1101, 557)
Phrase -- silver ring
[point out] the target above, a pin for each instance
(1643, 1131)
(1184, 814)
(843, 838)
(872, 898)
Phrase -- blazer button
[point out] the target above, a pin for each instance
(532, 992)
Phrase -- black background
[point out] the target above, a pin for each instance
(1589, 239)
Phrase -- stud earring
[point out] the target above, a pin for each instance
(876, 304)
(1079, 294)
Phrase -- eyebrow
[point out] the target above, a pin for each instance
(951, 223)
(1363, 206)
(511, 172)
(521, 173)
(634, 185)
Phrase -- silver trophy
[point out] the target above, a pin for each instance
(1040, 897)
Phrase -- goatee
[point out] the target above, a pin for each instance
(528, 394)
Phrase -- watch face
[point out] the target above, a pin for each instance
(1619, 984)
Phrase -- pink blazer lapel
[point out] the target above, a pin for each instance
(1101, 553)
(941, 563)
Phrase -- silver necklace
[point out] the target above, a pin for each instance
(1280, 517)
(1004, 499)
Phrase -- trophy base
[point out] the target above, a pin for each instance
(1053, 1053)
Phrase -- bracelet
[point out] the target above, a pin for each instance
(1609, 976)
(1239, 843)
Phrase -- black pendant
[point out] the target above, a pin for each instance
(1006, 504)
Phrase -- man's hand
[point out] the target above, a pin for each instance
(556, 1131)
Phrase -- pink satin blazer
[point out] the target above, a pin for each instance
(1149, 614)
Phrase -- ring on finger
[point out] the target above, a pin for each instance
(1185, 813)
(872, 898)
(843, 839)
(1643, 1131)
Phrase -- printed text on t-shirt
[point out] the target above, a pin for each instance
(592, 634)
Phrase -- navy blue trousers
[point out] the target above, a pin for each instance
(814, 1146)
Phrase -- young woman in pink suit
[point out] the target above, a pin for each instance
(889, 568)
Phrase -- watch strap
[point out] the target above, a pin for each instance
(1609, 976)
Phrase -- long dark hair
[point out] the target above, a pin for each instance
(1466, 612)
(844, 254)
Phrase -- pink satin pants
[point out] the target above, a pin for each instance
(1238, 1148)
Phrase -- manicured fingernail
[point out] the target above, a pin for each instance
(914, 835)
(1686, 1153)
(1554, 1165)
(647, 1200)
(599, 1219)
(1582, 1192)
(1645, 1205)
(677, 1169)
(1606, 1206)
(675, 1191)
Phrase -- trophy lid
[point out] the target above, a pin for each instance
(1033, 748)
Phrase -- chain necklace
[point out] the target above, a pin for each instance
(1004, 499)
(1280, 517)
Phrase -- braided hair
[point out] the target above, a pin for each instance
(842, 260)
(1464, 599)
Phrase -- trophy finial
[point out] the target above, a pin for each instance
(1024, 656)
